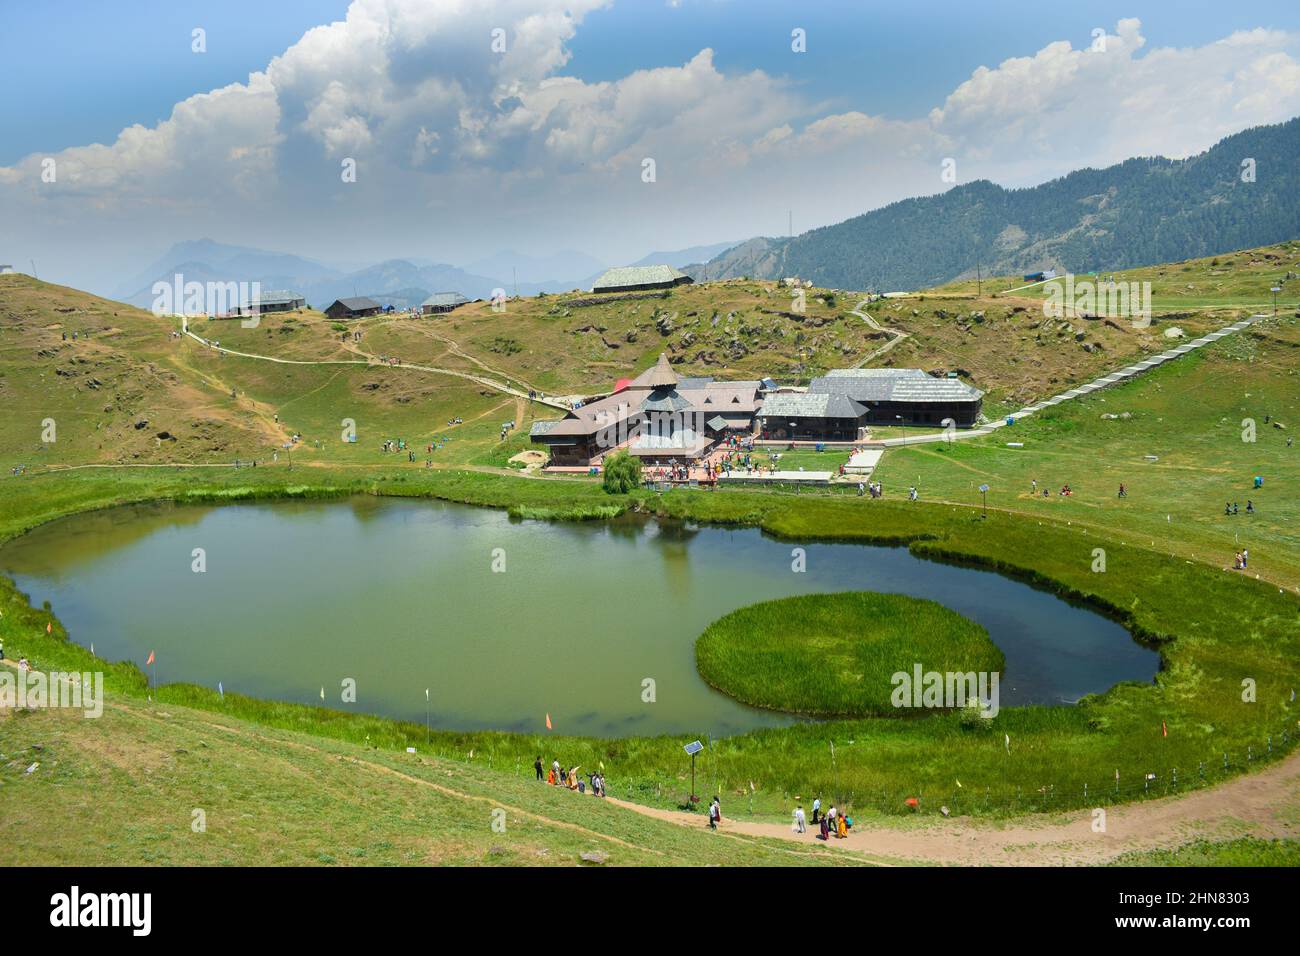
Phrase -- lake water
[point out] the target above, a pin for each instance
(400, 595)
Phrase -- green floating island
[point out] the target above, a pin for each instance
(835, 655)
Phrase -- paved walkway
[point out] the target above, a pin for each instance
(1114, 378)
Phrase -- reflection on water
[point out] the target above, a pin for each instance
(400, 595)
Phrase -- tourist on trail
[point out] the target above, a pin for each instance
(555, 768)
(842, 828)
(911, 493)
(1227, 507)
(1123, 492)
(1245, 557)
(825, 830)
(1234, 507)
(817, 809)
(830, 817)
(1033, 487)
(715, 813)
(550, 777)
(537, 765)
(1236, 562)
(1250, 507)
(2, 648)
(800, 824)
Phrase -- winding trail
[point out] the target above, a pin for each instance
(371, 361)
(898, 335)
(1263, 804)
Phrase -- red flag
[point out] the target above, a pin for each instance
(548, 721)
(150, 660)
(1164, 730)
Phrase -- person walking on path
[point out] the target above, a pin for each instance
(715, 814)
(537, 765)
(800, 822)
(817, 809)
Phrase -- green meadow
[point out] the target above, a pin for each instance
(834, 655)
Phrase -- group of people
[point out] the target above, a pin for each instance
(1239, 561)
(558, 776)
(23, 664)
(1230, 508)
(1066, 490)
(875, 488)
(833, 823)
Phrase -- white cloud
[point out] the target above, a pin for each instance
(507, 151)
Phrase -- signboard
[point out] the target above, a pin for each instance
(984, 488)
(694, 748)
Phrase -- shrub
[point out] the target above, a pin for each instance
(622, 474)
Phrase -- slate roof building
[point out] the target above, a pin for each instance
(912, 395)
(277, 301)
(657, 417)
(441, 302)
(352, 308)
(812, 416)
(842, 404)
(637, 278)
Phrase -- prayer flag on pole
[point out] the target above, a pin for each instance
(548, 721)
(149, 662)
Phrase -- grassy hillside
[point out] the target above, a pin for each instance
(1190, 416)
(268, 797)
(1165, 543)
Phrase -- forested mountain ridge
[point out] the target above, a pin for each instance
(1138, 212)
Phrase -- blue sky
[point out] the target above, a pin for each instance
(101, 66)
(463, 150)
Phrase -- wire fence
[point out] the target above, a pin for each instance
(740, 798)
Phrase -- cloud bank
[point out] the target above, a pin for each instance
(468, 137)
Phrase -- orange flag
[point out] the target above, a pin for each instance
(1164, 730)
(150, 660)
(49, 627)
(548, 721)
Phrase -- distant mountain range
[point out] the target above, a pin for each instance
(1138, 212)
(399, 282)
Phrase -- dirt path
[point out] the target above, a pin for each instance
(898, 335)
(370, 361)
(1262, 804)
